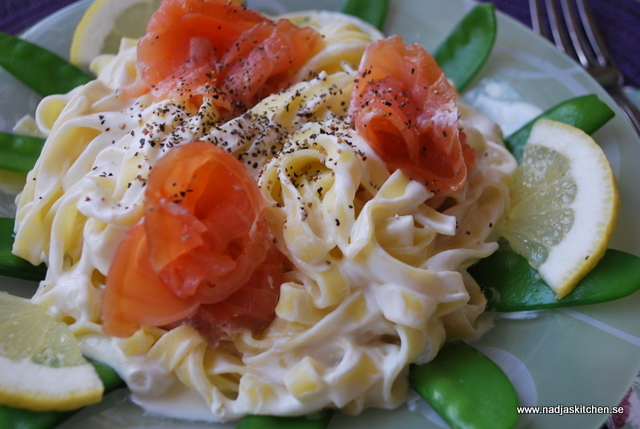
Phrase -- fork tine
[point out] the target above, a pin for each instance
(593, 34)
(575, 27)
(559, 30)
(537, 18)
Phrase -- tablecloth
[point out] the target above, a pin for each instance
(619, 23)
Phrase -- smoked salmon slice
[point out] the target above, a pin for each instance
(203, 240)
(251, 308)
(222, 51)
(135, 295)
(405, 108)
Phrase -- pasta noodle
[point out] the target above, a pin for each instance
(378, 277)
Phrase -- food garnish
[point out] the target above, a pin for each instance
(468, 46)
(41, 70)
(103, 26)
(586, 112)
(511, 284)
(405, 108)
(41, 365)
(564, 204)
(459, 378)
(371, 11)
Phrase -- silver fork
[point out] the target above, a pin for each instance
(573, 30)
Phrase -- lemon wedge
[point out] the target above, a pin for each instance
(105, 23)
(41, 365)
(564, 204)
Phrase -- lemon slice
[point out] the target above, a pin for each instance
(41, 365)
(105, 23)
(564, 204)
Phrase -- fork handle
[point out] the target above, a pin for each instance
(628, 108)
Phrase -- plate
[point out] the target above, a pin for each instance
(582, 356)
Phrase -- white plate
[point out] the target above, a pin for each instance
(582, 356)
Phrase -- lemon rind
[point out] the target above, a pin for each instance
(592, 229)
(37, 387)
(97, 23)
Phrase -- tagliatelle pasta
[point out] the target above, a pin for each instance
(378, 262)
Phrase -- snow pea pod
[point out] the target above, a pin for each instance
(372, 11)
(10, 264)
(321, 421)
(466, 388)
(41, 70)
(18, 418)
(26, 419)
(586, 112)
(19, 153)
(466, 49)
(512, 285)
(507, 277)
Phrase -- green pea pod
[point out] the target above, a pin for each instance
(108, 375)
(512, 285)
(321, 421)
(466, 388)
(372, 11)
(41, 70)
(586, 112)
(10, 264)
(17, 418)
(463, 53)
(19, 153)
